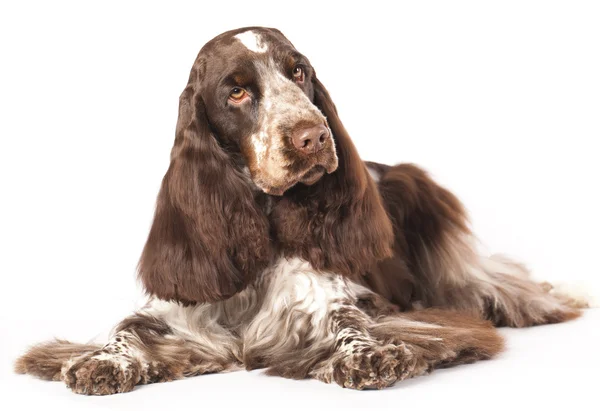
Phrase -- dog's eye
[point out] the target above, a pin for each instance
(298, 74)
(237, 94)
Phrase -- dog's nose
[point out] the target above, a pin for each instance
(311, 139)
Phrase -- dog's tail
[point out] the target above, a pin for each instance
(46, 360)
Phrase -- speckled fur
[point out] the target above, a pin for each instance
(294, 321)
(283, 107)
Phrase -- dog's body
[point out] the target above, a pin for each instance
(274, 246)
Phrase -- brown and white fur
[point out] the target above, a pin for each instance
(274, 246)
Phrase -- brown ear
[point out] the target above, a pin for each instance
(338, 224)
(209, 238)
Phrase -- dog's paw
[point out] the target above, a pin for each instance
(374, 368)
(101, 374)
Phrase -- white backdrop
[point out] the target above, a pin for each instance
(499, 101)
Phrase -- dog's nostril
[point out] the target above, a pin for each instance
(310, 139)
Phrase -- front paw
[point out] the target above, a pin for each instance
(101, 374)
(374, 367)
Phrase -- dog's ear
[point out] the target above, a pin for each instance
(209, 237)
(339, 223)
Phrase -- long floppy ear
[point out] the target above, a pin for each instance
(209, 237)
(339, 223)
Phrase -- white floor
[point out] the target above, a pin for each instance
(548, 367)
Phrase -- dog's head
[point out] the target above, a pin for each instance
(258, 94)
(254, 114)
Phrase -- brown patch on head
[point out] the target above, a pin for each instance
(209, 237)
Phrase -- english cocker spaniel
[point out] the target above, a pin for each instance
(275, 246)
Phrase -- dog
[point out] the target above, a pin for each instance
(275, 246)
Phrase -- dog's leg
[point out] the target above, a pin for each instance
(320, 325)
(145, 349)
(162, 342)
(376, 352)
(443, 268)
(493, 288)
(358, 359)
(509, 297)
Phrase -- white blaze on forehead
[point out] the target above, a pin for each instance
(252, 41)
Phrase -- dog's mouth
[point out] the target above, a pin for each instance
(306, 170)
(313, 175)
(309, 177)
